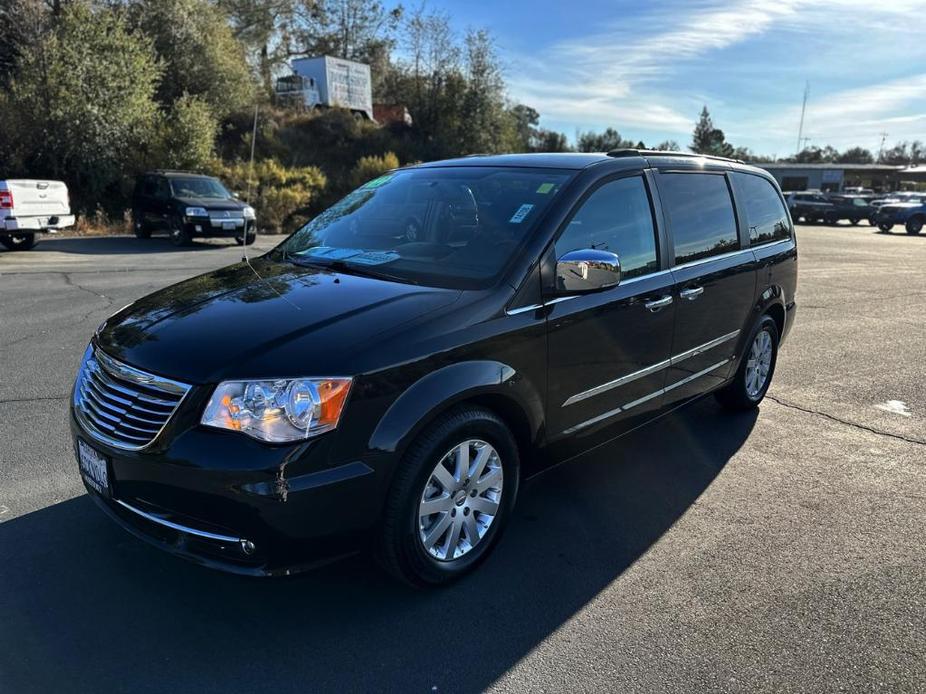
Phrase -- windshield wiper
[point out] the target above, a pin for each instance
(347, 268)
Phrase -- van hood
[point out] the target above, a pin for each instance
(213, 203)
(265, 320)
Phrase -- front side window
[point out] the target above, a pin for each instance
(701, 214)
(765, 215)
(453, 227)
(617, 218)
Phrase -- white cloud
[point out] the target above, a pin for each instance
(631, 74)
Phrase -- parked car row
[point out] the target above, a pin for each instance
(182, 204)
(884, 212)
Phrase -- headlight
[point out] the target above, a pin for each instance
(278, 411)
(196, 212)
(248, 212)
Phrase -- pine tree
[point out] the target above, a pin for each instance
(703, 133)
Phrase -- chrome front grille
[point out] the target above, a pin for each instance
(121, 405)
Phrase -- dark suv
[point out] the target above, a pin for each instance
(186, 205)
(389, 373)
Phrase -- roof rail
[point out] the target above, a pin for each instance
(666, 153)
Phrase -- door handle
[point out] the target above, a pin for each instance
(656, 304)
(692, 293)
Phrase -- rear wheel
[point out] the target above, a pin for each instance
(19, 242)
(754, 375)
(451, 498)
(914, 225)
(142, 230)
(854, 221)
(831, 219)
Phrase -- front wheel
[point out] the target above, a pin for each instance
(241, 240)
(19, 242)
(179, 236)
(451, 498)
(754, 375)
(831, 219)
(915, 225)
(854, 221)
(884, 226)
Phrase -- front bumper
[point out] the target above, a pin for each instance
(217, 227)
(208, 492)
(31, 224)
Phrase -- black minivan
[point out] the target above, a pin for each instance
(388, 374)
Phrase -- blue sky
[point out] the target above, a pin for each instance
(647, 68)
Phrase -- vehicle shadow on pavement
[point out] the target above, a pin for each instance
(87, 607)
(126, 245)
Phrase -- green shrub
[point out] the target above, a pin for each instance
(187, 135)
(281, 196)
(368, 168)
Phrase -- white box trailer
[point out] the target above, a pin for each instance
(28, 207)
(336, 83)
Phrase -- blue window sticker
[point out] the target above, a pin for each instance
(522, 212)
(377, 182)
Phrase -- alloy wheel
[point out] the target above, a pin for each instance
(460, 500)
(758, 364)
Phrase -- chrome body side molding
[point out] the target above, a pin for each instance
(645, 398)
(675, 359)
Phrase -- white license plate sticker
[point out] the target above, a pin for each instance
(228, 225)
(93, 468)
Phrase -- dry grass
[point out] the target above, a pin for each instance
(100, 224)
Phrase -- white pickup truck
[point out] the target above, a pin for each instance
(28, 208)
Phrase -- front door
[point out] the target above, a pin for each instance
(608, 350)
(715, 281)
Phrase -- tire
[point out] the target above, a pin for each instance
(743, 393)
(402, 544)
(914, 225)
(884, 226)
(142, 230)
(854, 221)
(872, 222)
(831, 219)
(178, 235)
(240, 240)
(19, 242)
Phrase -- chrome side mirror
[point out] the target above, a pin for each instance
(587, 270)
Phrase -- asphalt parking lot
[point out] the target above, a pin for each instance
(779, 551)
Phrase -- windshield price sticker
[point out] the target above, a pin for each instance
(522, 212)
(332, 253)
(375, 257)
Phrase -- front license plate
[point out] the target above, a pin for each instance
(93, 468)
(228, 226)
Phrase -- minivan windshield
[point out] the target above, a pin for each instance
(198, 188)
(453, 227)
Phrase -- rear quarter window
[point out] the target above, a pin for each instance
(765, 214)
(701, 215)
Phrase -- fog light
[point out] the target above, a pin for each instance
(248, 547)
(199, 227)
